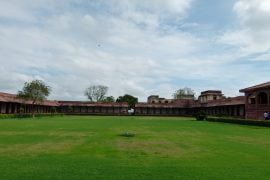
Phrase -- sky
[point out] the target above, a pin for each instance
(134, 47)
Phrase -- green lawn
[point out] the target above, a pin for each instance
(89, 147)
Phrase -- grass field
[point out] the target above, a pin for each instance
(89, 147)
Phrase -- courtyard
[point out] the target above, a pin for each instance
(97, 147)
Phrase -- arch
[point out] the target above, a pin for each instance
(262, 98)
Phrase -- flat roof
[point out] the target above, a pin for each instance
(12, 98)
(212, 91)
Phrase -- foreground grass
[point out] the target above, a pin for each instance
(89, 147)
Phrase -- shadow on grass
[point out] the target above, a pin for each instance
(127, 134)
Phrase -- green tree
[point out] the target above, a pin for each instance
(35, 91)
(70, 109)
(109, 99)
(184, 93)
(131, 100)
(96, 93)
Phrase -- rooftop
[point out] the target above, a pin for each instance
(239, 100)
(12, 98)
(256, 87)
(6, 97)
(211, 91)
(89, 104)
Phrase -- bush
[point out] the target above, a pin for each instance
(21, 110)
(240, 121)
(8, 116)
(221, 115)
(22, 115)
(70, 109)
(53, 110)
(200, 116)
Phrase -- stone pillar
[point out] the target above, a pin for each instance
(103, 110)
(139, 110)
(1, 107)
(10, 108)
(4, 108)
(16, 108)
(117, 110)
(235, 110)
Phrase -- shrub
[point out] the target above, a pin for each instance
(53, 110)
(200, 116)
(8, 116)
(22, 115)
(21, 110)
(221, 115)
(70, 109)
(264, 123)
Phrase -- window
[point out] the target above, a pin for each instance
(251, 99)
(262, 98)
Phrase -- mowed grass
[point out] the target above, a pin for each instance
(90, 147)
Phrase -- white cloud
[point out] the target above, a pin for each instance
(154, 6)
(71, 44)
(71, 50)
(253, 34)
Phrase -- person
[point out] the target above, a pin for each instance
(268, 116)
(265, 114)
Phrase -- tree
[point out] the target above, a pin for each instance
(109, 99)
(131, 100)
(35, 91)
(184, 93)
(96, 93)
(70, 109)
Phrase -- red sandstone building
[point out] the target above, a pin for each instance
(252, 106)
(10, 104)
(257, 100)
(234, 107)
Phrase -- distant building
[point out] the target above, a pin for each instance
(213, 104)
(210, 95)
(156, 99)
(10, 104)
(187, 97)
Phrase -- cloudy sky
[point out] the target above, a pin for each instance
(134, 46)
